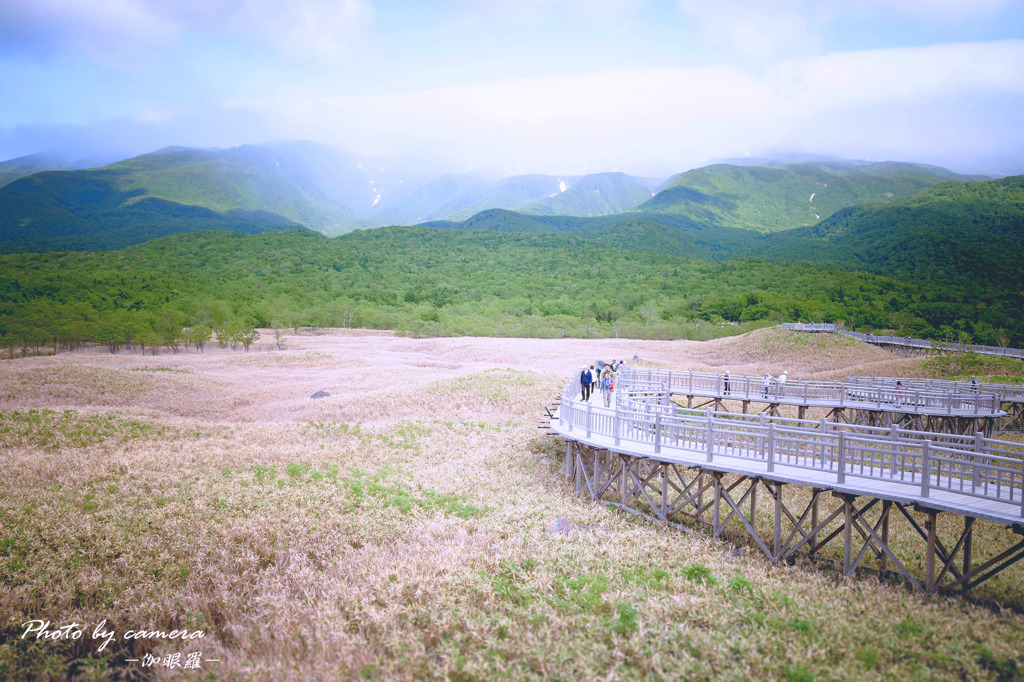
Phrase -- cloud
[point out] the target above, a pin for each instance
(532, 12)
(786, 28)
(676, 115)
(756, 29)
(927, 10)
(898, 75)
(121, 32)
(109, 30)
(320, 30)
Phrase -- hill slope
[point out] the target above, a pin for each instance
(460, 197)
(594, 195)
(770, 199)
(951, 232)
(59, 210)
(308, 184)
(247, 188)
(23, 166)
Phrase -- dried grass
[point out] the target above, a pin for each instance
(395, 529)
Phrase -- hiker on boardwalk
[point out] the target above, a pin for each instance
(782, 383)
(899, 392)
(726, 382)
(766, 383)
(586, 381)
(607, 384)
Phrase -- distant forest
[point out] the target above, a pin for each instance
(176, 290)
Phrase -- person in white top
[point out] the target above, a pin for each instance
(782, 382)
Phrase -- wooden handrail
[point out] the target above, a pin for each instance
(926, 461)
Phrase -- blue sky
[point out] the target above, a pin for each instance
(642, 86)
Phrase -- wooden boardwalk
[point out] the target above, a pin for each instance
(925, 408)
(667, 463)
(911, 344)
(1010, 396)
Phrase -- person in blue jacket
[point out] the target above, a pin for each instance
(586, 381)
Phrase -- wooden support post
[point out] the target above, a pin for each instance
(883, 562)
(847, 535)
(753, 503)
(930, 555)
(579, 471)
(770, 450)
(801, 412)
(746, 405)
(623, 481)
(589, 412)
(568, 459)
(968, 542)
(657, 432)
(815, 493)
(717, 514)
(700, 495)
(777, 540)
(664, 493)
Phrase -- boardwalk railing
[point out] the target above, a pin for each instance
(924, 400)
(1005, 392)
(903, 340)
(976, 467)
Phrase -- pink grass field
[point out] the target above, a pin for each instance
(395, 529)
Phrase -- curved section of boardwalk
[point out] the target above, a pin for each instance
(1010, 396)
(644, 445)
(1006, 393)
(904, 341)
(923, 400)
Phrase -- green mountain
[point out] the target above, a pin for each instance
(309, 184)
(598, 194)
(69, 210)
(770, 199)
(435, 200)
(513, 194)
(950, 232)
(594, 195)
(23, 166)
(249, 189)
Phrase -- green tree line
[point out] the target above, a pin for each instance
(455, 282)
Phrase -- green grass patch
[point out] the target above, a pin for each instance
(50, 430)
(386, 490)
(699, 573)
(162, 369)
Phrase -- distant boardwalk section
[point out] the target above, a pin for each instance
(849, 482)
(903, 341)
